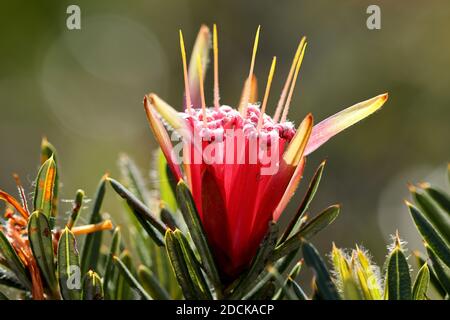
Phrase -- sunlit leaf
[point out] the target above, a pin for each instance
(430, 235)
(421, 284)
(398, 277)
(44, 190)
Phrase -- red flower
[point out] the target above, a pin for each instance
(242, 166)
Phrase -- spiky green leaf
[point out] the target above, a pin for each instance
(114, 250)
(132, 281)
(435, 215)
(307, 199)
(77, 203)
(92, 242)
(324, 283)
(92, 287)
(45, 187)
(192, 219)
(422, 260)
(69, 266)
(441, 270)
(430, 235)
(421, 284)
(398, 277)
(191, 288)
(317, 224)
(193, 265)
(140, 209)
(40, 237)
(262, 259)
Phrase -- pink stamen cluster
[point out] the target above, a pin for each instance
(225, 117)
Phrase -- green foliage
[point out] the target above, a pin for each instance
(92, 287)
(187, 264)
(68, 266)
(163, 252)
(431, 215)
(41, 243)
(398, 280)
(40, 259)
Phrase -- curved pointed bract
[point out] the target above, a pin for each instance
(331, 126)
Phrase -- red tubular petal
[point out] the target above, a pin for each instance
(215, 219)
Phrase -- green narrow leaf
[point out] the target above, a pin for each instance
(14, 262)
(442, 199)
(166, 183)
(48, 151)
(422, 260)
(193, 265)
(262, 259)
(398, 278)
(430, 235)
(282, 284)
(441, 270)
(439, 219)
(168, 218)
(421, 284)
(138, 207)
(151, 284)
(192, 219)
(45, 187)
(123, 291)
(307, 199)
(321, 221)
(92, 242)
(114, 250)
(298, 291)
(92, 287)
(366, 275)
(344, 275)
(281, 265)
(69, 266)
(130, 278)
(9, 279)
(151, 231)
(323, 281)
(280, 294)
(78, 202)
(40, 237)
(191, 290)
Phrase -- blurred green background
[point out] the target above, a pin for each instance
(83, 89)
